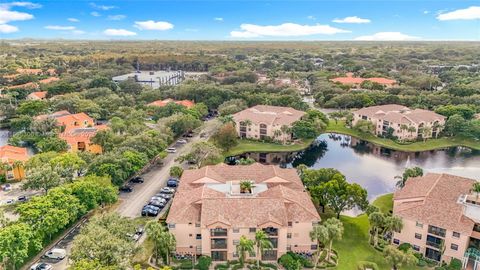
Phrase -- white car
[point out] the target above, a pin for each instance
(10, 201)
(41, 266)
(182, 141)
(171, 150)
(56, 253)
(167, 190)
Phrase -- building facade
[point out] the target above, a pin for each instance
(262, 121)
(15, 158)
(441, 218)
(210, 212)
(406, 124)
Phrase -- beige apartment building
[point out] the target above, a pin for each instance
(441, 218)
(407, 124)
(210, 212)
(262, 121)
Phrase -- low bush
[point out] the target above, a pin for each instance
(221, 266)
(204, 263)
(362, 265)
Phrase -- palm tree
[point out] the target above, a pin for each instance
(225, 119)
(244, 245)
(319, 234)
(377, 220)
(246, 186)
(476, 188)
(436, 128)
(409, 172)
(163, 241)
(426, 132)
(403, 128)
(277, 133)
(411, 130)
(285, 130)
(392, 224)
(335, 232)
(262, 243)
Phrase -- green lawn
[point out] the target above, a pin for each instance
(384, 203)
(246, 146)
(430, 144)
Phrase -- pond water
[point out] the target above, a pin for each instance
(4, 135)
(372, 166)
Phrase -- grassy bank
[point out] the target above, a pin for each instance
(430, 144)
(247, 146)
(384, 203)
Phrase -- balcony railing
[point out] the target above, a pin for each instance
(219, 244)
(218, 232)
(436, 231)
(433, 244)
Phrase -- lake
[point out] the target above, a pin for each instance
(372, 166)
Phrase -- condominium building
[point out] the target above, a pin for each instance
(406, 124)
(441, 218)
(262, 121)
(211, 211)
(355, 82)
(15, 158)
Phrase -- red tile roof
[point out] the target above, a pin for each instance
(269, 115)
(349, 79)
(11, 154)
(40, 95)
(161, 103)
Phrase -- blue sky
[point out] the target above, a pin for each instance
(241, 20)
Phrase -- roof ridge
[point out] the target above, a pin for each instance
(434, 185)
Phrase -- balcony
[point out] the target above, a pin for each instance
(218, 232)
(219, 244)
(433, 241)
(436, 231)
(270, 231)
(433, 244)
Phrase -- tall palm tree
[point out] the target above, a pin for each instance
(244, 245)
(319, 234)
(163, 241)
(426, 132)
(377, 220)
(436, 128)
(476, 188)
(403, 128)
(225, 119)
(335, 232)
(285, 130)
(262, 243)
(277, 133)
(411, 130)
(393, 224)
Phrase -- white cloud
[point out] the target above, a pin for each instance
(102, 7)
(59, 27)
(387, 36)
(426, 12)
(351, 19)
(95, 14)
(10, 16)
(470, 13)
(219, 19)
(311, 17)
(153, 25)
(6, 28)
(119, 32)
(29, 5)
(73, 20)
(284, 30)
(116, 17)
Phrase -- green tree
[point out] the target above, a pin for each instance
(262, 243)
(335, 232)
(455, 125)
(54, 144)
(408, 173)
(377, 220)
(43, 178)
(176, 171)
(364, 126)
(305, 129)
(32, 107)
(16, 241)
(163, 241)
(232, 106)
(398, 258)
(244, 246)
(226, 137)
(320, 235)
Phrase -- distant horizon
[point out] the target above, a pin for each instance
(349, 20)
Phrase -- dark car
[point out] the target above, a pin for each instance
(150, 210)
(126, 189)
(137, 179)
(172, 182)
(22, 198)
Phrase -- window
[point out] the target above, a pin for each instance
(236, 242)
(418, 236)
(434, 241)
(289, 235)
(190, 235)
(171, 225)
(236, 230)
(199, 236)
(416, 248)
(289, 247)
(456, 234)
(197, 225)
(396, 241)
(454, 246)
(252, 230)
(218, 232)
(289, 224)
(436, 231)
(313, 247)
(419, 224)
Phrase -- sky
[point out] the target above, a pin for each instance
(402, 20)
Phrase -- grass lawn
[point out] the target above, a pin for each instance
(430, 144)
(384, 203)
(246, 146)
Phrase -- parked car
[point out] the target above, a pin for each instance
(164, 196)
(167, 190)
(7, 187)
(156, 203)
(56, 254)
(9, 201)
(150, 210)
(126, 188)
(22, 198)
(137, 179)
(171, 150)
(41, 266)
(182, 141)
(140, 231)
(160, 199)
(172, 182)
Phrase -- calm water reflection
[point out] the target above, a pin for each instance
(371, 166)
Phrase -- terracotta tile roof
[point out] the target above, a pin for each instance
(40, 94)
(69, 119)
(49, 80)
(161, 103)
(34, 71)
(349, 79)
(432, 199)
(25, 85)
(11, 154)
(271, 115)
(52, 115)
(400, 114)
(281, 199)
(75, 135)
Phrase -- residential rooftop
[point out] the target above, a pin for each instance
(400, 114)
(271, 115)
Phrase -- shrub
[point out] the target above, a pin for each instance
(204, 263)
(404, 247)
(455, 264)
(221, 266)
(362, 265)
(268, 265)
